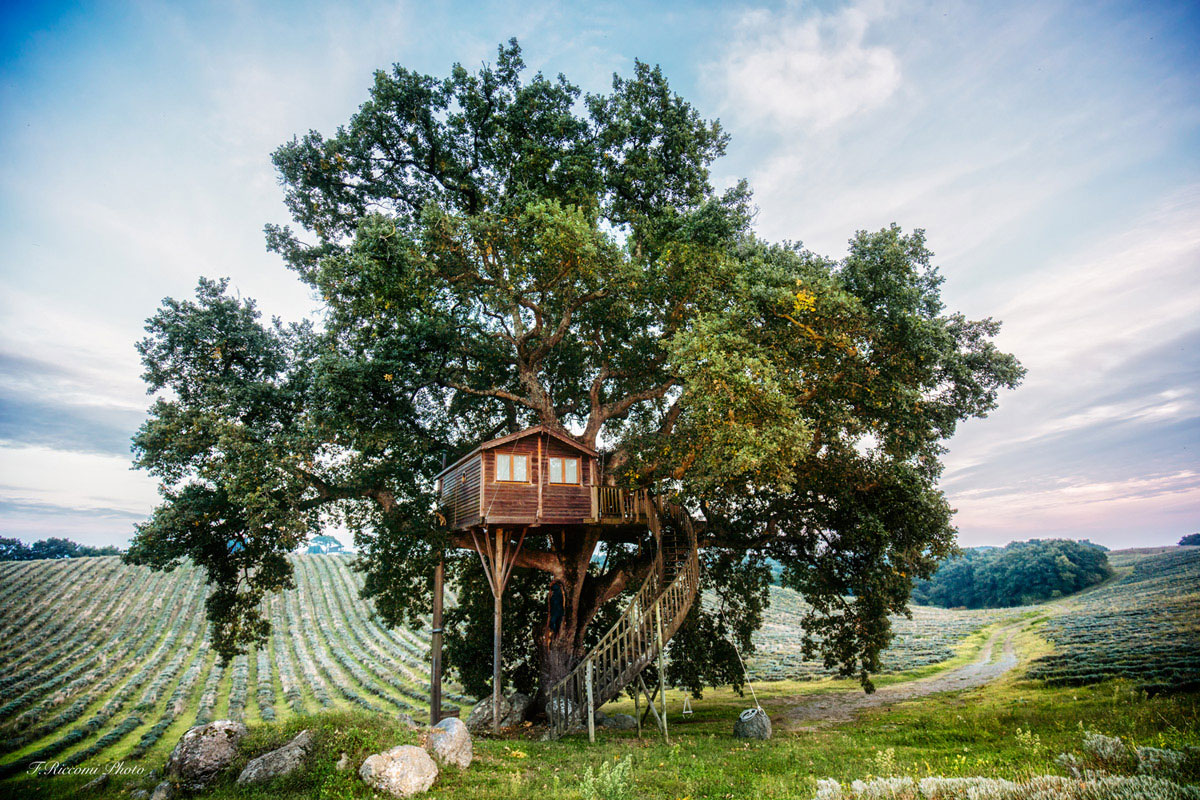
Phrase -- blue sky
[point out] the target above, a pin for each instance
(1051, 151)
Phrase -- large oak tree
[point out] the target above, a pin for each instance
(494, 250)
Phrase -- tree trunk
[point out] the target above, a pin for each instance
(557, 656)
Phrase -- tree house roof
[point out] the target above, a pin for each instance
(512, 437)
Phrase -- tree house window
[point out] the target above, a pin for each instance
(564, 470)
(512, 469)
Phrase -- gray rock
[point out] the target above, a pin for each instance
(480, 718)
(402, 771)
(139, 794)
(512, 712)
(450, 743)
(277, 762)
(97, 784)
(203, 752)
(753, 723)
(518, 707)
(343, 762)
(621, 722)
(561, 709)
(164, 791)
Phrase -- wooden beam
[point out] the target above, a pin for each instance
(435, 680)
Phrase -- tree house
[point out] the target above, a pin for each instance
(542, 478)
(537, 476)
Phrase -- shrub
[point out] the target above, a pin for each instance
(612, 781)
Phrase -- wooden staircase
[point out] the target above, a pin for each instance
(652, 617)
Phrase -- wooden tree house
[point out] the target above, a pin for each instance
(542, 478)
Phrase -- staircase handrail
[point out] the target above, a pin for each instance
(650, 619)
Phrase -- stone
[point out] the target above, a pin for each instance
(621, 722)
(97, 784)
(450, 743)
(518, 707)
(343, 762)
(164, 791)
(512, 712)
(560, 709)
(753, 723)
(203, 752)
(139, 794)
(480, 718)
(402, 771)
(277, 762)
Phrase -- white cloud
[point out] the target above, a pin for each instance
(811, 71)
(1109, 512)
(75, 481)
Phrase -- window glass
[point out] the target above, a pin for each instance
(519, 473)
(564, 470)
(503, 468)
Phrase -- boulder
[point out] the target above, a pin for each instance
(402, 771)
(512, 712)
(621, 722)
(450, 743)
(277, 762)
(203, 752)
(164, 791)
(343, 762)
(753, 723)
(480, 718)
(560, 709)
(97, 784)
(518, 707)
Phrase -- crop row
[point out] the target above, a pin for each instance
(101, 659)
(929, 637)
(1145, 626)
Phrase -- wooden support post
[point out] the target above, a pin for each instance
(590, 708)
(496, 628)
(435, 679)
(497, 562)
(650, 709)
(662, 671)
(637, 709)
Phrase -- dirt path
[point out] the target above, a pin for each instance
(813, 712)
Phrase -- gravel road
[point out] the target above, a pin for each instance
(812, 712)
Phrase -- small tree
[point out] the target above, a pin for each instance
(1190, 540)
(493, 252)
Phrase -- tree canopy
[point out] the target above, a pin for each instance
(53, 547)
(1017, 574)
(494, 250)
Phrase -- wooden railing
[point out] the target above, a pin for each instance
(613, 504)
(652, 617)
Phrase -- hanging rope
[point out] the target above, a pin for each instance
(745, 674)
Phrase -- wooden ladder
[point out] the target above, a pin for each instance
(652, 617)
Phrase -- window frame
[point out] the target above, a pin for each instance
(563, 470)
(511, 458)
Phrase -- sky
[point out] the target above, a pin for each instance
(1051, 150)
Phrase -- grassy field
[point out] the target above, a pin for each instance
(1011, 728)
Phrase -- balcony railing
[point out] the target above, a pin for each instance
(612, 504)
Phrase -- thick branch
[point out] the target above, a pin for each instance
(526, 558)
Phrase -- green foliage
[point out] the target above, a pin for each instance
(16, 550)
(495, 250)
(1190, 540)
(1017, 574)
(612, 781)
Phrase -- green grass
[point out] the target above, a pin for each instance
(953, 734)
